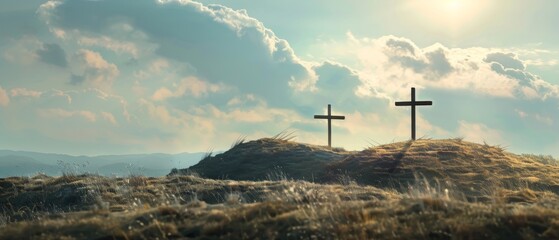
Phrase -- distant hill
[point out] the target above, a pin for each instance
(22, 163)
(473, 169)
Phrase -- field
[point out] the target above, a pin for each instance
(428, 189)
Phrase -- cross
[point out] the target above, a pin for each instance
(413, 103)
(329, 117)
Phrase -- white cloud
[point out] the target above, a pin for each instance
(221, 45)
(61, 113)
(245, 100)
(4, 98)
(535, 116)
(109, 117)
(393, 64)
(94, 70)
(23, 92)
(479, 132)
(109, 43)
(23, 51)
(202, 75)
(190, 86)
(159, 65)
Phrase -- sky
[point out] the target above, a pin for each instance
(141, 76)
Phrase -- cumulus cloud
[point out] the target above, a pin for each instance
(95, 70)
(340, 86)
(508, 64)
(221, 44)
(392, 64)
(432, 61)
(208, 72)
(52, 53)
(507, 60)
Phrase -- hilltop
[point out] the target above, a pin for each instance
(474, 170)
(268, 158)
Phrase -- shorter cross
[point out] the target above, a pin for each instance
(329, 117)
(413, 103)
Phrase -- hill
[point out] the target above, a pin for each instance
(425, 189)
(22, 163)
(268, 158)
(189, 207)
(473, 170)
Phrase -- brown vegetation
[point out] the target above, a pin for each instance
(428, 189)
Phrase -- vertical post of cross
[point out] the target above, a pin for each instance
(329, 117)
(412, 104)
(329, 126)
(413, 113)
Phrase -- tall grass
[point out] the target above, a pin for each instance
(240, 140)
(285, 135)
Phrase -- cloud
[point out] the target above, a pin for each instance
(109, 117)
(507, 60)
(95, 70)
(479, 132)
(391, 64)
(537, 117)
(111, 44)
(336, 84)
(189, 86)
(23, 50)
(61, 113)
(431, 61)
(52, 53)
(23, 92)
(249, 56)
(192, 76)
(4, 98)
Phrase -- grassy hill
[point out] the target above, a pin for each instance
(473, 170)
(427, 189)
(268, 158)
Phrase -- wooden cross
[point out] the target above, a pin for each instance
(329, 117)
(413, 103)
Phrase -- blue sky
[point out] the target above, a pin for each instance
(138, 76)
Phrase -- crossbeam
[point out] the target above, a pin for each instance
(329, 117)
(413, 103)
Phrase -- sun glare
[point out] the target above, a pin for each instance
(450, 14)
(454, 5)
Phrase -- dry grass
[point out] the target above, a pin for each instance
(427, 189)
(192, 207)
(472, 169)
(256, 160)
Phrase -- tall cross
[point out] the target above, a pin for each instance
(413, 103)
(329, 117)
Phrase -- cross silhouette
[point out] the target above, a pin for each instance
(413, 103)
(329, 117)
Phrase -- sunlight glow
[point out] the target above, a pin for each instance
(449, 14)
